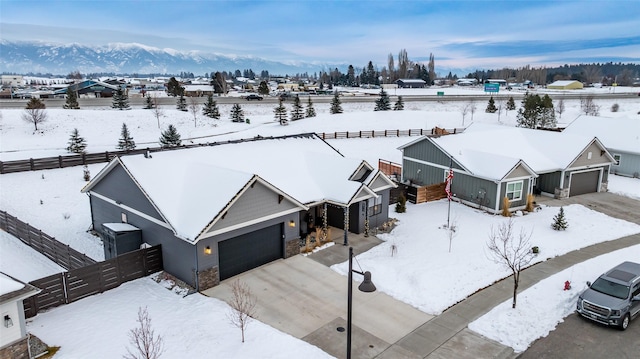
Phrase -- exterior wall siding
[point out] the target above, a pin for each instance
(256, 202)
(596, 156)
(178, 255)
(476, 190)
(118, 186)
(629, 164)
(548, 182)
(428, 174)
(518, 172)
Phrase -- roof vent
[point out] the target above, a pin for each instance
(147, 154)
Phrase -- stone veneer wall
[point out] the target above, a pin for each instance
(15, 350)
(291, 248)
(208, 278)
(561, 193)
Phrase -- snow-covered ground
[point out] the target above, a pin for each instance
(51, 200)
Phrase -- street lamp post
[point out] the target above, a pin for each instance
(366, 286)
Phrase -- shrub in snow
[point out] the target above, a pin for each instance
(86, 175)
(505, 207)
(401, 205)
(615, 107)
(530, 203)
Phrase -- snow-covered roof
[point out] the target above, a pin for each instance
(190, 187)
(491, 150)
(622, 133)
(562, 83)
(12, 289)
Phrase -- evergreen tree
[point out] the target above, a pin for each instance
(280, 113)
(511, 104)
(72, 100)
(491, 106)
(311, 112)
(336, 106)
(174, 88)
(297, 112)
(560, 221)
(170, 137)
(126, 141)
(35, 104)
(210, 108)
(77, 144)
(182, 103)
(529, 114)
(149, 103)
(399, 106)
(237, 115)
(383, 103)
(548, 113)
(120, 100)
(263, 88)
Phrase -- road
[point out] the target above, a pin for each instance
(271, 101)
(580, 338)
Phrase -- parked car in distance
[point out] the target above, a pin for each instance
(253, 97)
(614, 298)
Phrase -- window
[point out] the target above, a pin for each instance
(514, 190)
(375, 206)
(617, 158)
(123, 217)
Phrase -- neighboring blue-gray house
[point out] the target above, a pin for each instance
(220, 210)
(620, 135)
(494, 162)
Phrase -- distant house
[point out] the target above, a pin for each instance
(566, 85)
(221, 210)
(411, 83)
(91, 88)
(13, 330)
(12, 80)
(620, 135)
(501, 82)
(198, 90)
(494, 162)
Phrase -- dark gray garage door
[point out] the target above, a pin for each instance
(584, 182)
(239, 254)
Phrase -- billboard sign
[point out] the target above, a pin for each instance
(491, 88)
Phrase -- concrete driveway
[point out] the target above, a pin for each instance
(306, 299)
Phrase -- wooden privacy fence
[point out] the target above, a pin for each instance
(68, 287)
(387, 133)
(47, 163)
(429, 193)
(58, 252)
(391, 169)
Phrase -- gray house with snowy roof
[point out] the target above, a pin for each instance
(620, 135)
(221, 210)
(493, 162)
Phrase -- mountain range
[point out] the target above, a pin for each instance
(119, 58)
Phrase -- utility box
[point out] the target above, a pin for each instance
(119, 238)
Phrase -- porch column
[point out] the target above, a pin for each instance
(346, 225)
(324, 217)
(366, 219)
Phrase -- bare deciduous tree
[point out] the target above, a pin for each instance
(194, 108)
(515, 254)
(588, 106)
(472, 108)
(156, 110)
(464, 110)
(560, 108)
(35, 116)
(243, 305)
(146, 344)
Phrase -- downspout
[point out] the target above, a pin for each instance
(498, 189)
(197, 268)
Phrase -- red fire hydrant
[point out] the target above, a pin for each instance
(567, 285)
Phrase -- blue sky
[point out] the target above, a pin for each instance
(460, 34)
